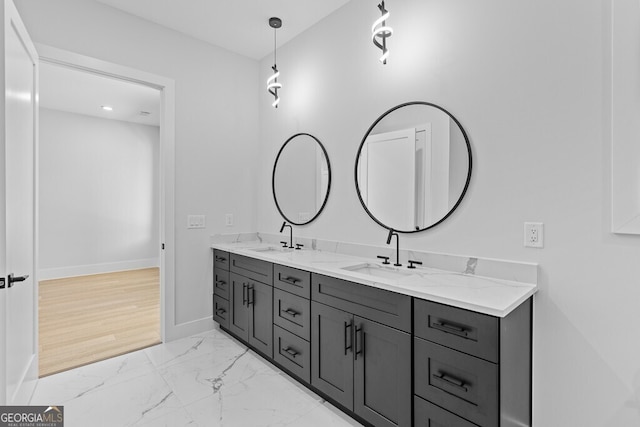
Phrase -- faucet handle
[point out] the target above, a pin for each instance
(299, 246)
(284, 244)
(411, 263)
(385, 258)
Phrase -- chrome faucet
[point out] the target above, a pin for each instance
(284, 224)
(391, 234)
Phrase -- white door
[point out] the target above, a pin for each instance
(18, 299)
(390, 180)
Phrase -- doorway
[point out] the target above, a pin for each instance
(95, 236)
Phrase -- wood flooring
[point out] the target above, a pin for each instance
(90, 318)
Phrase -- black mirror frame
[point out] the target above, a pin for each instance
(273, 179)
(466, 185)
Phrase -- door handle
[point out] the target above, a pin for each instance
(244, 294)
(251, 295)
(11, 279)
(361, 346)
(350, 346)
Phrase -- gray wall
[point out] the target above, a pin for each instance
(529, 83)
(99, 195)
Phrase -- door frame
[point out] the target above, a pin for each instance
(166, 86)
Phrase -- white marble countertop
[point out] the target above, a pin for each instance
(496, 297)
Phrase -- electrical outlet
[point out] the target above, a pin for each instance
(196, 221)
(533, 234)
(228, 220)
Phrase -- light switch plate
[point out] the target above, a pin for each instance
(228, 220)
(196, 221)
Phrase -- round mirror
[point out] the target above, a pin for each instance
(413, 167)
(301, 179)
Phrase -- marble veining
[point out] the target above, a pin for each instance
(482, 285)
(207, 379)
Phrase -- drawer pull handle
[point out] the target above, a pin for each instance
(220, 259)
(220, 283)
(450, 329)
(290, 280)
(291, 312)
(452, 381)
(291, 351)
(350, 346)
(221, 311)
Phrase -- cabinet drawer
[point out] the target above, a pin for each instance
(292, 352)
(220, 259)
(426, 414)
(221, 283)
(455, 381)
(255, 269)
(292, 280)
(221, 311)
(464, 330)
(389, 308)
(292, 313)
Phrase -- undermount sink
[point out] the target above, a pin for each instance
(376, 270)
(277, 249)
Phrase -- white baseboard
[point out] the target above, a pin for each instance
(187, 329)
(84, 270)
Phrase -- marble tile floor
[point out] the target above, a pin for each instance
(203, 380)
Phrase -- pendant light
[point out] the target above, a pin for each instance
(380, 30)
(272, 82)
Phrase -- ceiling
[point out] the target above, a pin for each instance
(240, 26)
(66, 89)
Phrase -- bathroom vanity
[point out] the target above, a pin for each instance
(388, 346)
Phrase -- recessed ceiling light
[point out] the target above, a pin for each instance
(106, 108)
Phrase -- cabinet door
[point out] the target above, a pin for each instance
(382, 378)
(332, 353)
(260, 303)
(238, 312)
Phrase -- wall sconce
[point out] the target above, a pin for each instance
(272, 82)
(379, 30)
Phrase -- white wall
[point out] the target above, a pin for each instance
(99, 195)
(528, 82)
(216, 125)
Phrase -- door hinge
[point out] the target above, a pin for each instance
(2, 283)
(163, 246)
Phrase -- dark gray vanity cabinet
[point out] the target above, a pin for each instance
(385, 358)
(358, 359)
(471, 368)
(221, 285)
(250, 301)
